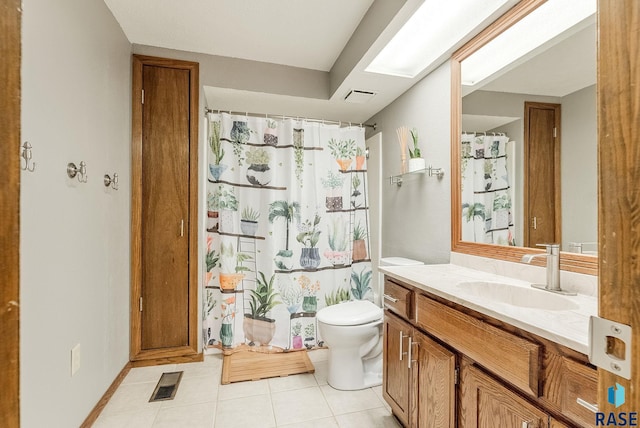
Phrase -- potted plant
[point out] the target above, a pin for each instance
(333, 185)
(211, 260)
(231, 267)
(361, 283)
(355, 185)
(226, 327)
(309, 333)
(298, 152)
(258, 328)
(258, 173)
(240, 134)
(338, 295)
(212, 213)
(216, 168)
(249, 221)
(296, 330)
(338, 236)
(416, 163)
(271, 133)
(359, 244)
(360, 158)
(343, 151)
(225, 201)
(208, 307)
(291, 296)
(309, 236)
(287, 211)
(309, 290)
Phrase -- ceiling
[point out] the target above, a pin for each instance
(337, 38)
(307, 34)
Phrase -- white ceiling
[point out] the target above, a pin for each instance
(307, 34)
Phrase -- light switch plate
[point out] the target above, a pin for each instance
(75, 359)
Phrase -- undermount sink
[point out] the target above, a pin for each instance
(518, 296)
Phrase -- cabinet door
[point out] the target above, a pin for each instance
(434, 390)
(395, 372)
(486, 403)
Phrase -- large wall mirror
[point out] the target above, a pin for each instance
(524, 135)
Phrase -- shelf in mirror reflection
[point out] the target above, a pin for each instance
(429, 171)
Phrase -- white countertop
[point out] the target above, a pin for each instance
(566, 327)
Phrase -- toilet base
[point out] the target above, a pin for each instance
(352, 374)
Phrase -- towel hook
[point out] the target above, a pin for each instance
(80, 171)
(111, 182)
(26, 154)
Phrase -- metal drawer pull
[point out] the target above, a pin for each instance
(389, 298)
(401, 348)
(587, 405)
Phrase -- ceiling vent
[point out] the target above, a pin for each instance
(358, 97)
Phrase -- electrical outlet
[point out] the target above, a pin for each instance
(75, 359)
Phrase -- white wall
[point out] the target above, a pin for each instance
(579, 169)
(416, 217)
(76, 80)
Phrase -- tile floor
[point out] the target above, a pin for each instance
(304, 401)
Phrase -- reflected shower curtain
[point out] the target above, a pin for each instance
(287, 229)
(486, 195)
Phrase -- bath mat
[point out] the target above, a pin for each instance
(242, 366)
(167, 387)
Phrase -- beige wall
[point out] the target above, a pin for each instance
(76, 82)
(416, 218)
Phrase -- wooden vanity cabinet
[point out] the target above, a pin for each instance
(419, 374)
(396, 382)
(508, 377)
(486, 403)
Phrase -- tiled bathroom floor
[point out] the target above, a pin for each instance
(295, 401)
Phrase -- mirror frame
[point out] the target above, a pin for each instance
(573, 262)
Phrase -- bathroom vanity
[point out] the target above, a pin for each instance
(473, 349)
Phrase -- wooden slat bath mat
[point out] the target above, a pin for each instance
(241, 366)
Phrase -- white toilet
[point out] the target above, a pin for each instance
(353, 333)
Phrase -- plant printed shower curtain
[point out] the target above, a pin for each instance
(287, 229)
(486, 194)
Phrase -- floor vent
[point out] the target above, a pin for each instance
(166, 387)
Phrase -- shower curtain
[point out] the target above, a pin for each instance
(287, 229)
(486, 195)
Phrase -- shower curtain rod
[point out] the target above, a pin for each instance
(275, 116)
(502, 134)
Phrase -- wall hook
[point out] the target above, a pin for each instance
(80, 171)
(111, 182)
(26, 154)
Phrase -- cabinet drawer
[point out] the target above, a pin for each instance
(511, 357)
(578, 382)
(398, 299)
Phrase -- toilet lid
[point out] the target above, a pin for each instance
(350, 313)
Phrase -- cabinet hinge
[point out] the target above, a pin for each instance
(456, 375)
(141, 304)
(555, 132)
(143, 101)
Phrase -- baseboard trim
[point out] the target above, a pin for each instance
(93, 416)
(195, 358)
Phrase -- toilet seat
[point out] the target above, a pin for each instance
(357, 312)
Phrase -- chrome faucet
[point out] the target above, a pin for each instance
(553, 269)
